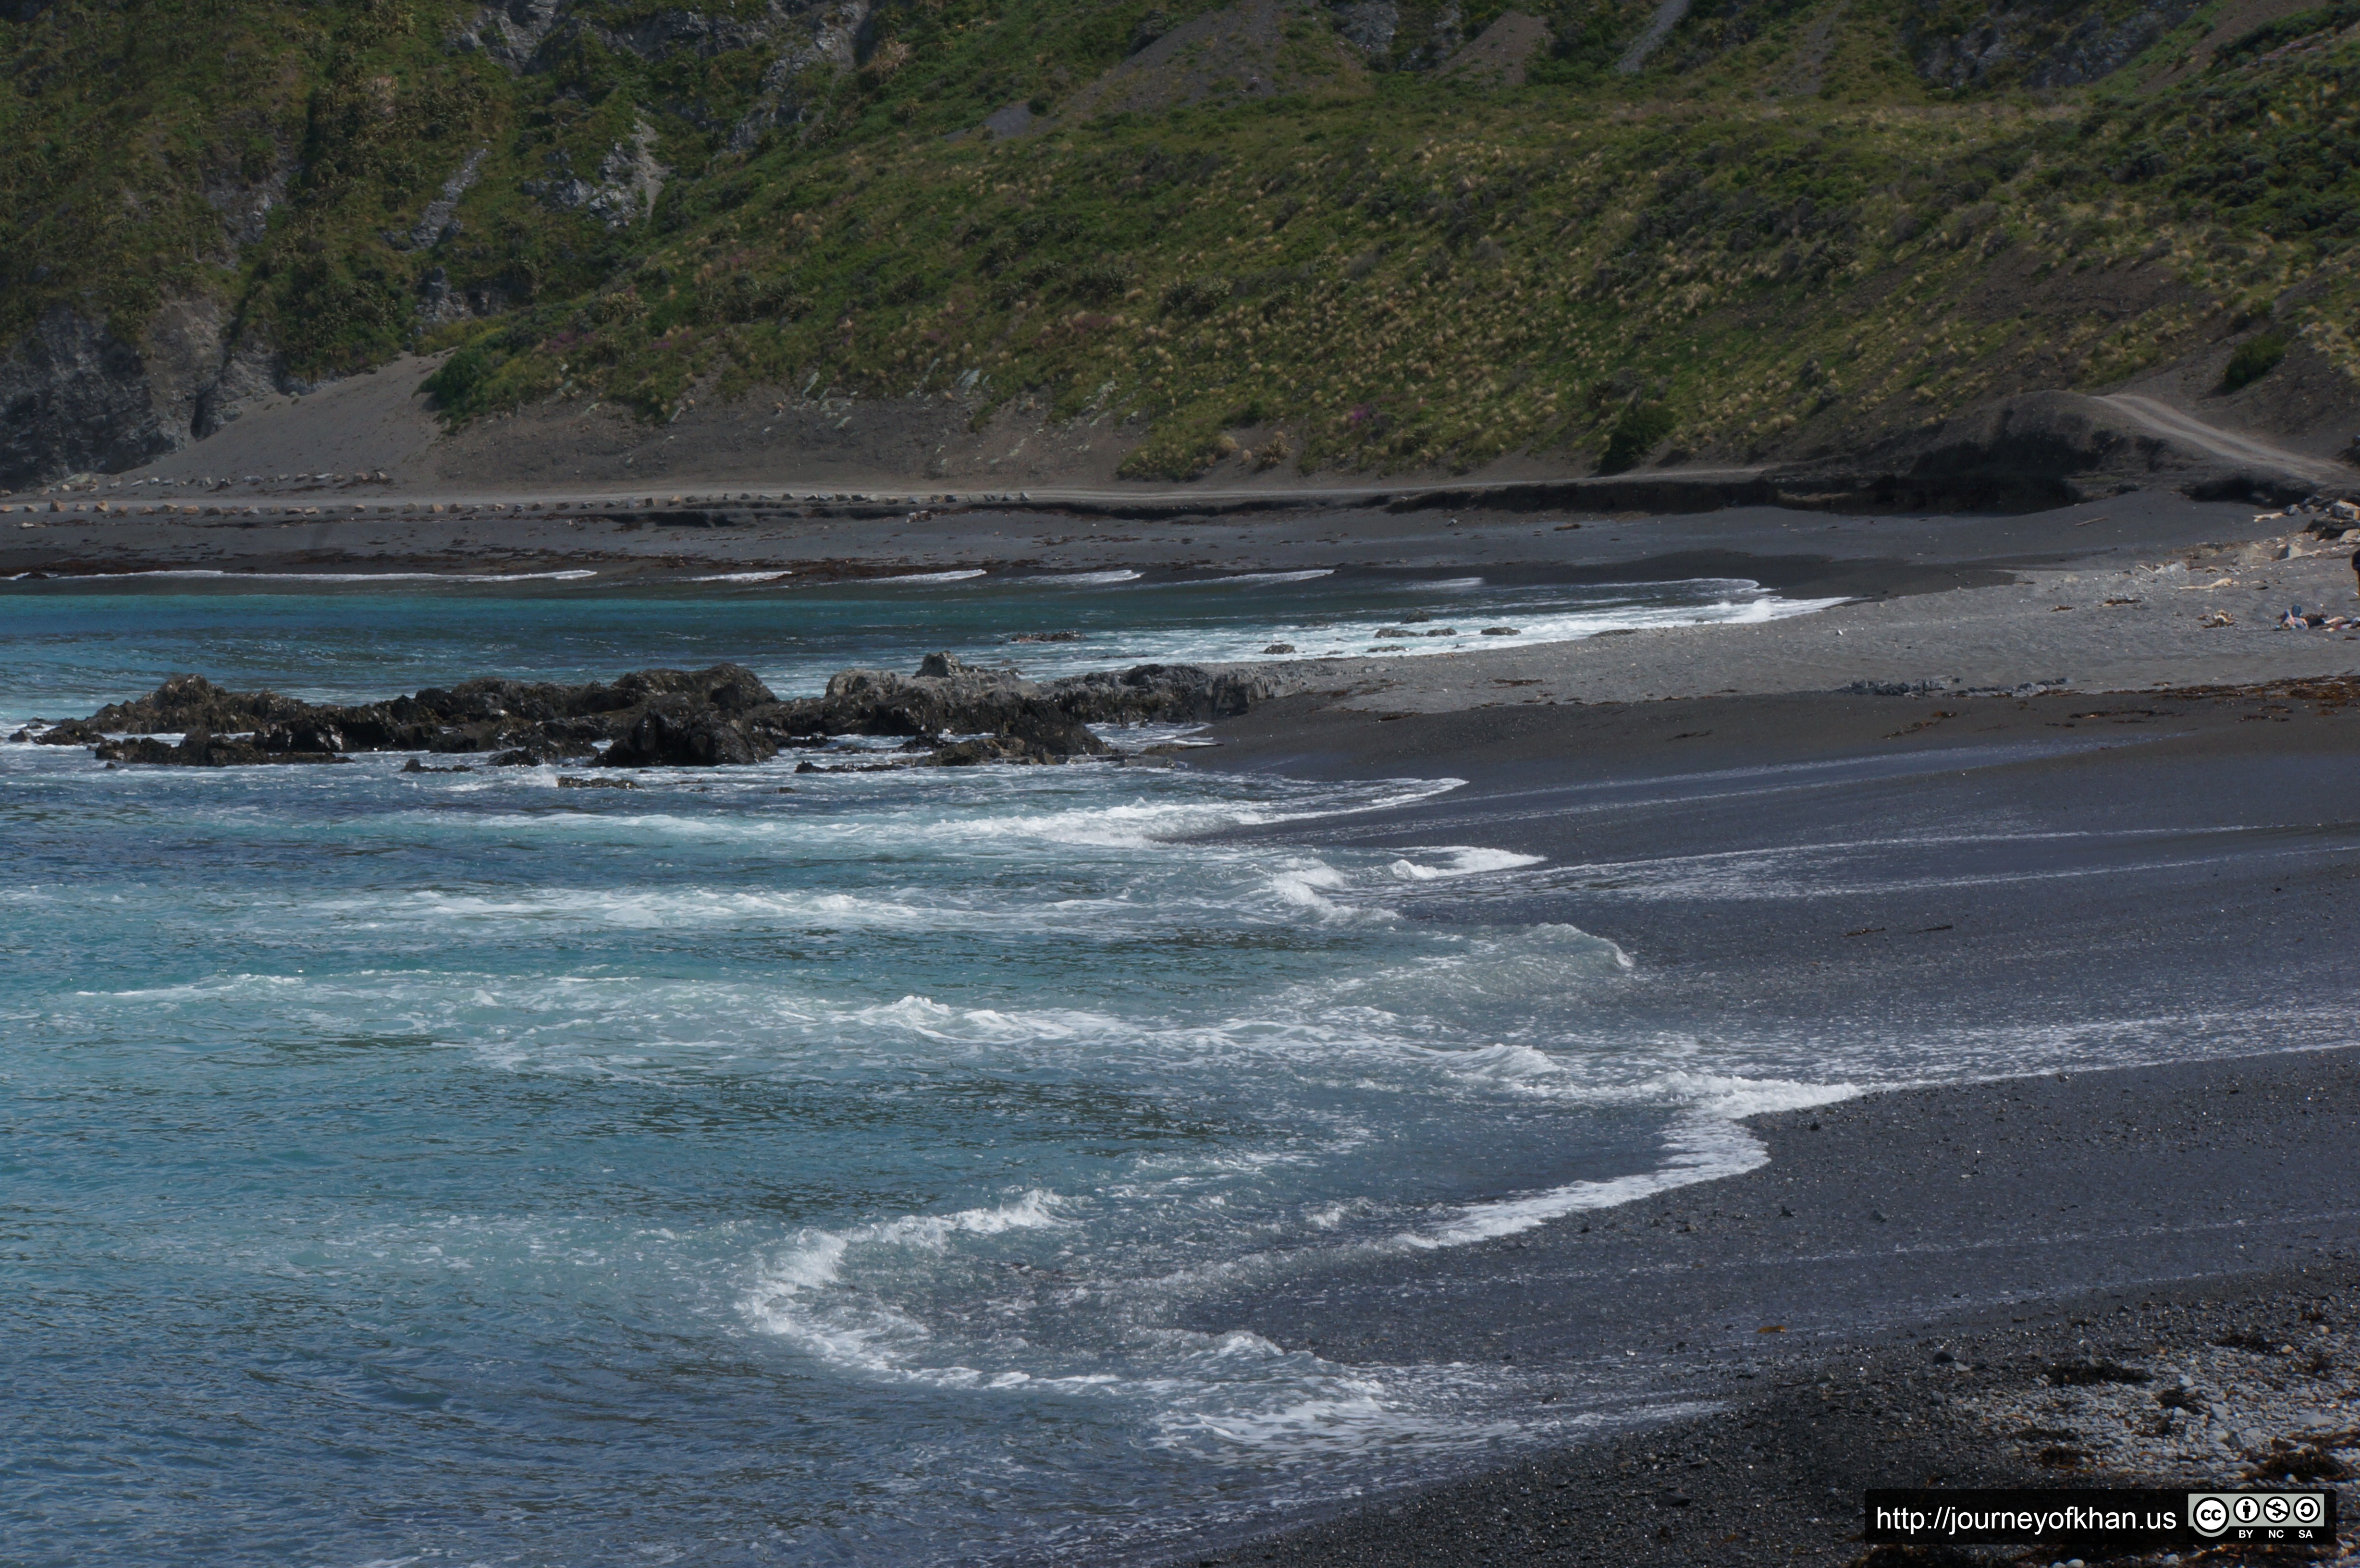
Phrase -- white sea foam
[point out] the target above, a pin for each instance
(795, 1293)
(1735, 603)
(961, 575)
(654, 909)
(1852, 867)
(1089, 579)
(1244, 578)
(1460, 862)
(1705, 1145)
(778, 576)
(1140, 823)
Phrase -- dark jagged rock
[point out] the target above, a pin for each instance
(954, 714)
(947, 697)
(516, 722)
(305, 734)
(186, 704)
(993, 748)
(199, 748)
(525, 757)
(1159, 694)
(671, 733)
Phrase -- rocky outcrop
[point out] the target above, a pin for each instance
(436, 224)
(1161, 693)
(2043, 43)
(824, 37)
(947, 697)
(629, 181)
(1368, 26)
(527, 36)
(189, 703)
(674, 732)
(950, 712)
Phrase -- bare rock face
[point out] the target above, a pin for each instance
(804, 36)
(629, 181)
(948, 697)
(1369, 25)
(824, 36)
(1161, 693)
(2045, 43)
(189, 703)
(523, 35)
(75, 397)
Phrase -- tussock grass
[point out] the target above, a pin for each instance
(1779, 232)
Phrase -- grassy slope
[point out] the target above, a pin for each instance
(1777, 232)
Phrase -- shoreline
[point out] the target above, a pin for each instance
(1811, 1409)
(2120, 595)
(1830, 860)
(1773, 1474)
(1932, 817)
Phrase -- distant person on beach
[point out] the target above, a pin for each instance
(2355, 568)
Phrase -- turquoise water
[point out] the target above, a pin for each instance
(756, 1167)
(77, 643)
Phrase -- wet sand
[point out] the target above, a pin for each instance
(2058, 880)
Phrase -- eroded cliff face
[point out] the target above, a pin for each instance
(74, 397)
(528, 36)
(79, 392)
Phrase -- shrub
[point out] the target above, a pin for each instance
(1635, 435)
(2255, 358)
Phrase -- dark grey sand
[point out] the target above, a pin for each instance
(2054, 870)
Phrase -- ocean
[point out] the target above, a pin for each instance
(759, 1167)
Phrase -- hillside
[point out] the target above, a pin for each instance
(1371, 237)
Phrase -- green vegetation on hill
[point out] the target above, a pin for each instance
(1800, 218)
